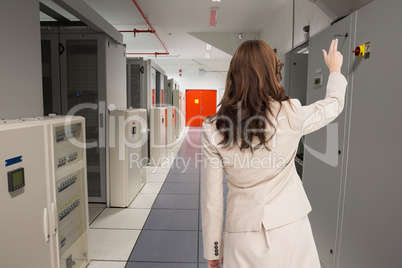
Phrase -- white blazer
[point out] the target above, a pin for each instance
(264, 187)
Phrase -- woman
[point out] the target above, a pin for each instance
(254, 139)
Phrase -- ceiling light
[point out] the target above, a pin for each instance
(209, 47)
(207, 54)
(213, 18)
(216, 0)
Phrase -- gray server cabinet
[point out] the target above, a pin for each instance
(322, 180)
(355, 218)
(167, 93)
(137, 83)
(295, 80)
(371, 231)
(296, 67)
(170, 85)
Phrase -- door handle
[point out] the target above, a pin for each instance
(46, 225)
(61, 48)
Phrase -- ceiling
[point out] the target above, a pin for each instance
(178, 23)
(174, 20)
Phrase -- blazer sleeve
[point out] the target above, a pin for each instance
(321, 113)
(211, 196)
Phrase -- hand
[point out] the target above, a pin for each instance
(214, 264)
(334, 58)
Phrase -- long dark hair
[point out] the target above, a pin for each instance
(252, 85)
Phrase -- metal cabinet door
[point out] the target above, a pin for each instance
(322, 167)
(371, 232)
(25, 240)
(137, 72)
(83, 90)
(51, 49)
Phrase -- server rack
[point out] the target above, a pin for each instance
(295, 78)
(126, 155)
(357, 193)
(82, 85)
(137, 82)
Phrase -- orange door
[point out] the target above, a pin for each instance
(199, 105)
(208, 103)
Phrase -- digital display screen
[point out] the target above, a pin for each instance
(317, 81)
(16, 179)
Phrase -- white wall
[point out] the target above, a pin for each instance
(278, 32)
(20, 59)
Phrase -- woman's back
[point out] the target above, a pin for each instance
(253, 139)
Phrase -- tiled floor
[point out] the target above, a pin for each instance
(162, 226)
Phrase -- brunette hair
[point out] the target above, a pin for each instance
(252, 84)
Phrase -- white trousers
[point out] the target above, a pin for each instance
(289, 246)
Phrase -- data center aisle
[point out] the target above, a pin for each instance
(171, 236)
(171, 231)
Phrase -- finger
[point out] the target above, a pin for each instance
(331, 47)
(336, 45)
(325, 54)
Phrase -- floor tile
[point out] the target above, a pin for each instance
(143, 201)
(151, 188)
(121, 218)
(156, 169)
(107, 264)
(177, 201)
(94, 212)
(170, 219)
(185, 169)
(156, 177)
(166, 246)
(225, 189)
(96, 205)
(183, 163)
(160, 265)
(112, 245)
(183, 178)
(180, 188)
(201, 248)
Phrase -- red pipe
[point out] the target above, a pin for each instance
(146, 31)
(135, 31)
(148, 53)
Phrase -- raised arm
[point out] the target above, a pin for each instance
(321, 113)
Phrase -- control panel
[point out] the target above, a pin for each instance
(70, 190)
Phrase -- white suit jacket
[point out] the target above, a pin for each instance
(264, 187)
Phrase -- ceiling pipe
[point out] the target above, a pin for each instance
(149, 53)
(135, 31)
(151, 30)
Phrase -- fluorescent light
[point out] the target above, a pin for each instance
(208, 54)
(209, 47)
(216, 0)
(213, 18)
